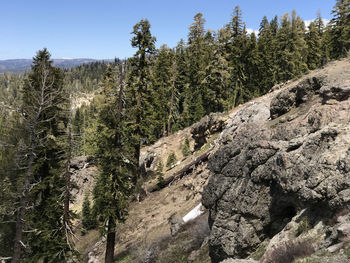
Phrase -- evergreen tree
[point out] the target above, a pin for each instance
(314, 46)
(217, 83)
(340, 29)
(44, 102)
(236, 47)
(11, 145)
(182, 85)
(88, 218)
(163, 90)
(197, 62)
(266, 55)
(291, 48)
(139, 93)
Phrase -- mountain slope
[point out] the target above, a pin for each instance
(23, 65)
(278, 171)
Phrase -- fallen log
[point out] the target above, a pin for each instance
(182, 172)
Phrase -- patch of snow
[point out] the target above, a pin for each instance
(194, 213)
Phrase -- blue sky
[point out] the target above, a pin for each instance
(101, 28)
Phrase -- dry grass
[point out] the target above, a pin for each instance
(290, 251)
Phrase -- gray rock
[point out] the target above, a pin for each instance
(268, 171)
(230, 260)
(253, 113)
(295, 96)
(335, 247)
(175, 225)
(338, 91)
(212, 123)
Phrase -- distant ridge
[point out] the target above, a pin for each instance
(23, 65)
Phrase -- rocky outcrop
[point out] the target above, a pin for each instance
(83, 173)
(267, 171)
(253, 113)
(212, 123)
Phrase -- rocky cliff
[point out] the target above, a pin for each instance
(283, 161)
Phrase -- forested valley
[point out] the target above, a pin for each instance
(111, 110)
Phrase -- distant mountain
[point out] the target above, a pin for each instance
(23, 65)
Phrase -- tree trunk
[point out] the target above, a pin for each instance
(109, 258)
(67, 176)
(171, 108)
(17, 247)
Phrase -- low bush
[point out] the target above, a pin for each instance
(171, 160)
(186, 148)
(304, 226)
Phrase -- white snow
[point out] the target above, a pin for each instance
(194, 213)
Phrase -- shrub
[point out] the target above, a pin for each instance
(290, 251)
(88, 216)
(258, 253)
(160, 175)
(171, 160)
(347, 253)
(186, 148)
(303, 226)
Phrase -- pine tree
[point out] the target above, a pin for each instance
(164, 91)
(182, 86)
(217, 83)
(266, 55)
(340, 29)
(139, 94)
(238, 39)
(197, 62)
(44, 102)
(11, 145)
(314, 46)
(115, 160)
(88, 218)
(291, 48)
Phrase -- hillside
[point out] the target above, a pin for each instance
(318, 109)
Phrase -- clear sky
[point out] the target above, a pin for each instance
(101, 28)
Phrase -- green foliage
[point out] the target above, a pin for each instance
(171, 160)
(340, 29)
(115, 154)
(160, 175)
(186, 148)
(88, 216)
(44, 105)
(347, 253)
(304, 226)
(258, 253)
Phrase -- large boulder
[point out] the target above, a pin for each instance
(269, 170)
(210, 124)
(295, 95)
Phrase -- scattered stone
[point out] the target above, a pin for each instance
(175, 225)
(335, 247)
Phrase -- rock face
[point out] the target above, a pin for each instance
(212, 123)
(266, 171)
